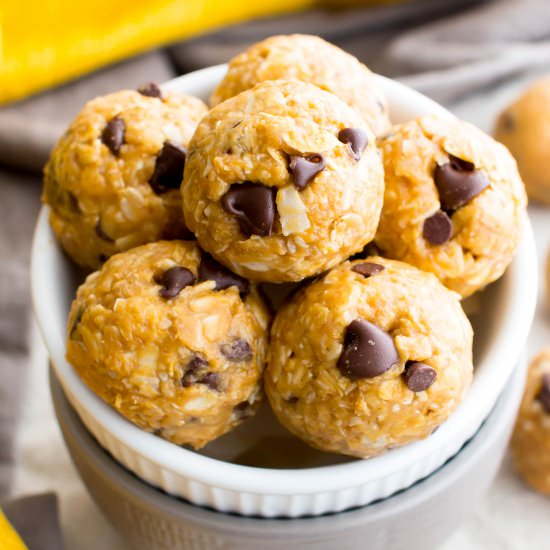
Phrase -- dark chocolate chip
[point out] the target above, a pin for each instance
(212, 380)
(508, 121)
(237, 351)
(174, 280)
(211, 270)
(292, 399)
(150, 90)
(356, 139)
(168, 172)
(73, 203)
(437, 229)
(544, 394)
(76, 322)
(367, 269)
(100, 232)
(254, 206)
(193, 371)
(113, 135)
(458, 182)
(368, 351)
(419, 376)
(243, 409)
(304, 169)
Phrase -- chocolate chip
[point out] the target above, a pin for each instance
(356, 139)
(150, 90)
(368, 351)
(76, 322)
(243, 409)
(419, 376)
(544, 394)
(253, 204)
(72, 202)
(174, 280)
(103, 258)
(292, 399)
(211, 270)
(212, 380)
(237, 351)
(437, 229)
(100, 232)
(367, 269)
(168, 172)
(193, 370)
(304, 169)
(458, 182)
(113, 135)
(508, 121)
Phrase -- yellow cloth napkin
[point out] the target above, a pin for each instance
(9, 539)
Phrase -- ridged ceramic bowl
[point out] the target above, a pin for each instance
(421, 517)
(259, 469)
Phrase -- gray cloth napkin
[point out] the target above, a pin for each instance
(445, 48)
(36, 520)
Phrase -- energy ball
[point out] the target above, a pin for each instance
(282, 182)
(171, 340)
(524, 127)
(310, 59)
(454, 203)
(372, 356)
(112, 181)
(531, 437)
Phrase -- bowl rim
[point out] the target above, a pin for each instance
(512, 335)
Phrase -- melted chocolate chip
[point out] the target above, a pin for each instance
(211, 270)
(168, 172)
(367, 269)
(254, 206)
(100, 232)
(173, 281)
(193, 371)
(304, 169)
(458, 182)
(113, 135)
(237, 351)
(544, 394)
(419, 376)
(437, 229)
(150, 90)
(356, 139)
(368, 351)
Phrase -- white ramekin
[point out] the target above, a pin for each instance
(505, 314)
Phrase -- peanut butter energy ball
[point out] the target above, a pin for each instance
(524, 127)
(112, 181)
(531, 438)
(372, 356)
(454, 202)
(310, 59)
(171, 340)
(282, 182)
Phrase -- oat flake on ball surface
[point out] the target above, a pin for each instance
(309, 59)
(374, 355)
(282, 182)
(171, 340)
(112, 180)
(454, 203)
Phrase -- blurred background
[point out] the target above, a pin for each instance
(474, 56)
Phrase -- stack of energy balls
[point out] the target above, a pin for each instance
(295, 175)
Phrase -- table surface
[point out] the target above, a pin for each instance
(511, 517)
